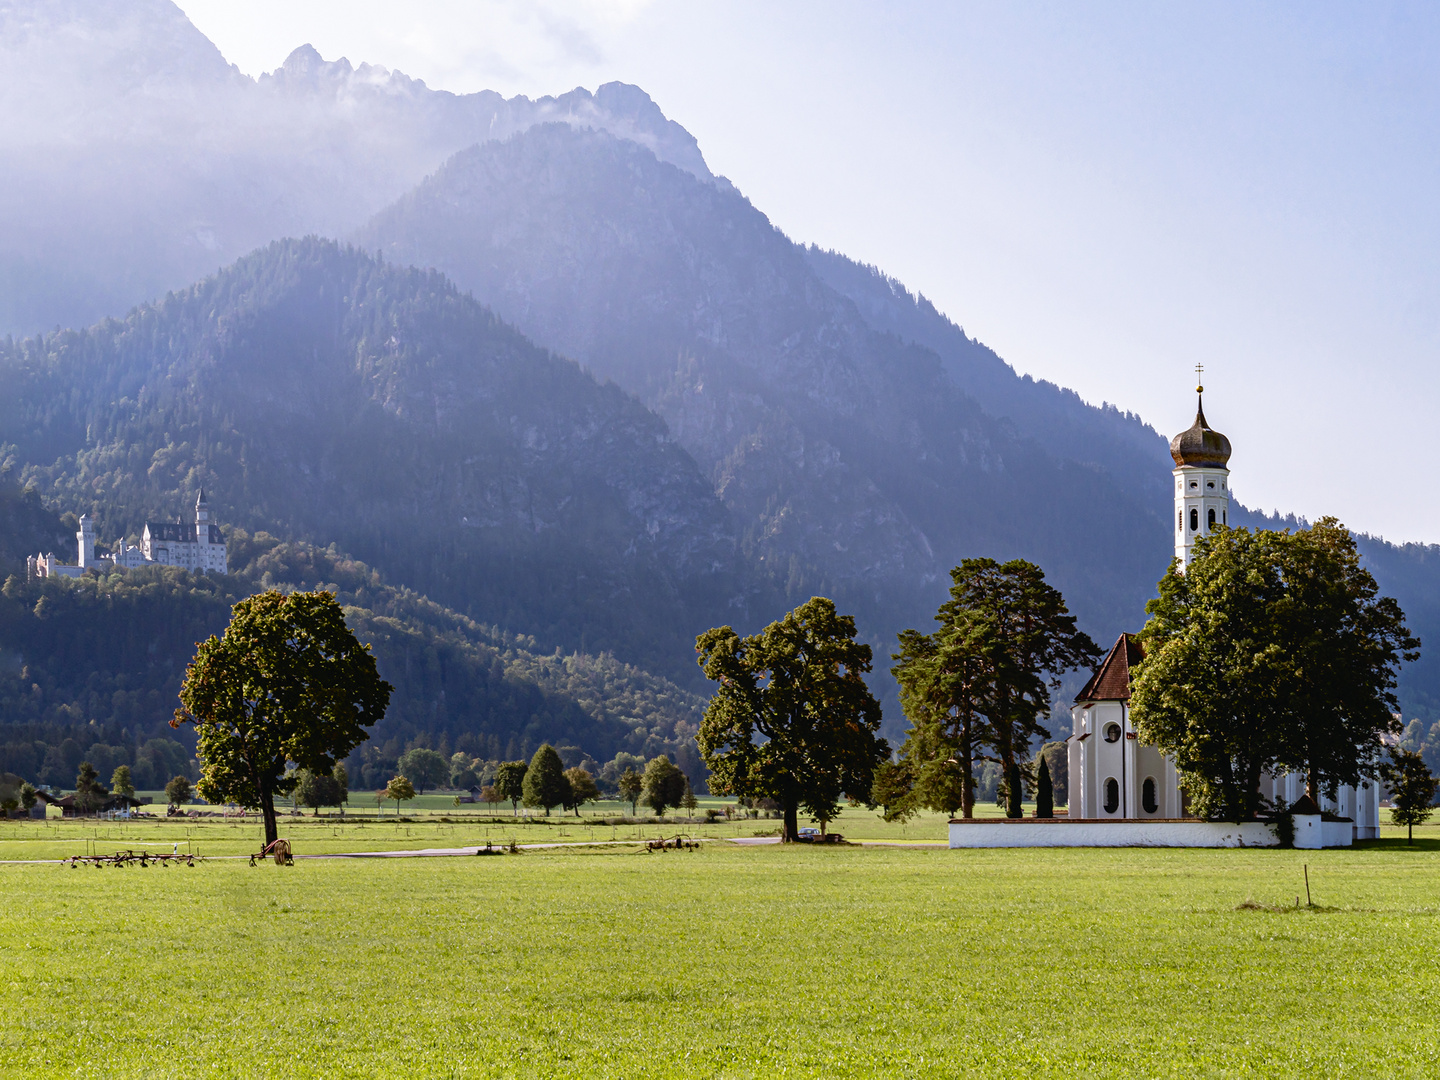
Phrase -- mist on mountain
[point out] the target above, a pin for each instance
(136, 160)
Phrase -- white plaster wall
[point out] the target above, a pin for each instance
(1202, 490)
(1030, 833)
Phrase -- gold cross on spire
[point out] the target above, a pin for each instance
(1199, 385)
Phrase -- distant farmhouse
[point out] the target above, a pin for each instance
(195, 545)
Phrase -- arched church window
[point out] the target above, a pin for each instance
(1112, 732)
(1147, 796)
(1194, 519)
(1112, 795)
(1224, 517)
(1212, 519)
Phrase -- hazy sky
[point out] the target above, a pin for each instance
(1107, 194)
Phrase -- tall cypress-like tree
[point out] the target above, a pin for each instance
(1044, 792)
(792, 718)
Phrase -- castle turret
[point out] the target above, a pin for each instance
(1202, 481)
(85, 540)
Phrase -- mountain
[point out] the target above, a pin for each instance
(318, 394)
(90, 668)
(803, 423)
(855, 462)
(137, 160)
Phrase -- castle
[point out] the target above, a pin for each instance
(195, 545)
(1112, 774)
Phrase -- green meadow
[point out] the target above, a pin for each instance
(756, 961)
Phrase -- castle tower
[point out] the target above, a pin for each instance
(85, 540)
(202, 509)
(1202, 488)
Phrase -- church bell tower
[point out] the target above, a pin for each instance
(1202, 481)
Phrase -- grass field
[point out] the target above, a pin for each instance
(730, 962)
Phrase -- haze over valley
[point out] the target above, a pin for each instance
(536, 391)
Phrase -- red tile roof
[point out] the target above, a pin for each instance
(1111, 681)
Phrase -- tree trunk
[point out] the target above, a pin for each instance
(267, 811)
(791, 832)
(1014, 789)
(967, 781)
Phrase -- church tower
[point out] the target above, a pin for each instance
(1202, 481)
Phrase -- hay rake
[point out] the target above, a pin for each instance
(122, 859)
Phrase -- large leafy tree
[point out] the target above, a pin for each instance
(1271, 651)
(664, 785)
(510, 783)
(424, 767)
(287, 687)
(980, 685)
(582, 788)
(791, 719)
(1412, 789)
(545, 784)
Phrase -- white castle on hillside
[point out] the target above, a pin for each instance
(1112, 774)
(196, 545)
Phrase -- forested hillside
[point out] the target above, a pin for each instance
(317, 394)
(91, 666)
(856, 466)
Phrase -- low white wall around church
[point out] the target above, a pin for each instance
(1028, 832)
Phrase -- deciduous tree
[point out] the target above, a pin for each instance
(1412, 790)
(399, 789)
(120, 782)
(287, 686)
(178, 791)
(631, 785)
(791, 718)
(582, 789)
(545, 784)
(1271, 651)
(510, 783)
(425, 768)
(664, 785)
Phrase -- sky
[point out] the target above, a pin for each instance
(1107, 194)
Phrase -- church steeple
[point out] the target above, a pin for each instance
(1202, 490)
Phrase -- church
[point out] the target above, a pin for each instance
(1113, 776)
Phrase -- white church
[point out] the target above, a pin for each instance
(195, 545)
(1124, 792)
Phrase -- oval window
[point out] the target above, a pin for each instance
(1112, 795)
(1147, 796)
(1112, 732)
(1194, 519)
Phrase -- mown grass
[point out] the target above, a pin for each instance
(731, 962)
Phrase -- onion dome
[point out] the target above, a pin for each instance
(1198, 444)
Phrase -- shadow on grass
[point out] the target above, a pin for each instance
(1398, 843)
(1283, 909)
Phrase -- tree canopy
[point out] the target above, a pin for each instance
(664, 785)
(1272, 651)
(287, 686)
(1412, 789)
(792, 718)
(977, 688)
(424, 767)
(510, 783)
(545, 784)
